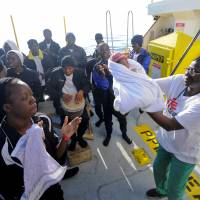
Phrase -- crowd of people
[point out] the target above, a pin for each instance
(66, 75)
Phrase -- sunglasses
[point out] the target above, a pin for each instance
(192, 71)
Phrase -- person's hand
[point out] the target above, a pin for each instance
(101, 69)
(68, 129)
(106, 70)
(67, 98)
(79, 97)
(40, 124)
(3, 73)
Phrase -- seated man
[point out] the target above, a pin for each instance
(67, 84)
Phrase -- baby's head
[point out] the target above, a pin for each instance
(120, 58)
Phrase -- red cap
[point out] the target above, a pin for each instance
(117, 57)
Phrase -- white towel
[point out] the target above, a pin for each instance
(40, 170)
(134, 89)
(39, 69)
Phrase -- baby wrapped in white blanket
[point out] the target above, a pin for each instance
(133, 88)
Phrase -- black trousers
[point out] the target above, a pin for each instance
(98, 96)
(104, 100)
(53, 192)
(82, 126)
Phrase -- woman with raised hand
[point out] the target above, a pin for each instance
(27, 170)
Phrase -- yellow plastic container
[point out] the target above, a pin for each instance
(166, 52)
(141, 156)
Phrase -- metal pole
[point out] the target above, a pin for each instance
(129, 12)
(106, 27)
(185, 53)
(65, 27)
(13, 26)
(108, 12)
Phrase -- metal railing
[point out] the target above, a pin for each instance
(127, 33)
(111, 33)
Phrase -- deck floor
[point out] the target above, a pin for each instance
(113, 173)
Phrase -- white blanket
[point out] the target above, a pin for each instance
(134, 89)
(40, 170)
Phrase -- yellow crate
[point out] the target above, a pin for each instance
(166, 52)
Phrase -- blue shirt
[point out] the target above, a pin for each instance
(144, 58)
(100, 80)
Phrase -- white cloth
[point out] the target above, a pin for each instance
(135, 56)
(18, 53)
(183, 143)
(40, 170)
(39, 69)
(134, 89)
(69, 87)
(11, 44)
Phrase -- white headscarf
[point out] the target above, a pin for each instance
(18, 53)
(12, 45)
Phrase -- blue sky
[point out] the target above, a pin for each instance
(83, 17)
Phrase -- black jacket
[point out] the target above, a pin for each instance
(30, 77)
(77, 52)
(56, 82)
(11, 176)
(52, 52)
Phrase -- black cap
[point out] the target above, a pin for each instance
(137, 39)
(70, 35)
(67, 61)
(31, 42)
(98, 36)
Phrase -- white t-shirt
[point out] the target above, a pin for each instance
(135, 56)
(183, 143)
(48, 45)
(69, 87)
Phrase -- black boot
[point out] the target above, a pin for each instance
(71, 172)
(154, 194)
(82, 142)
(99, 122)
(72, 145)
(126, 138)
(106, 140)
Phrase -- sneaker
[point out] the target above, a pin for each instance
(71, 172)
(98, 123)
(127, 139)
(153, 193)
(82, 143)
(106, 141)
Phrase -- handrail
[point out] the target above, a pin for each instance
(15, 33)
(185, 53)
(65, 27)
(129, 12)
(108, 13)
